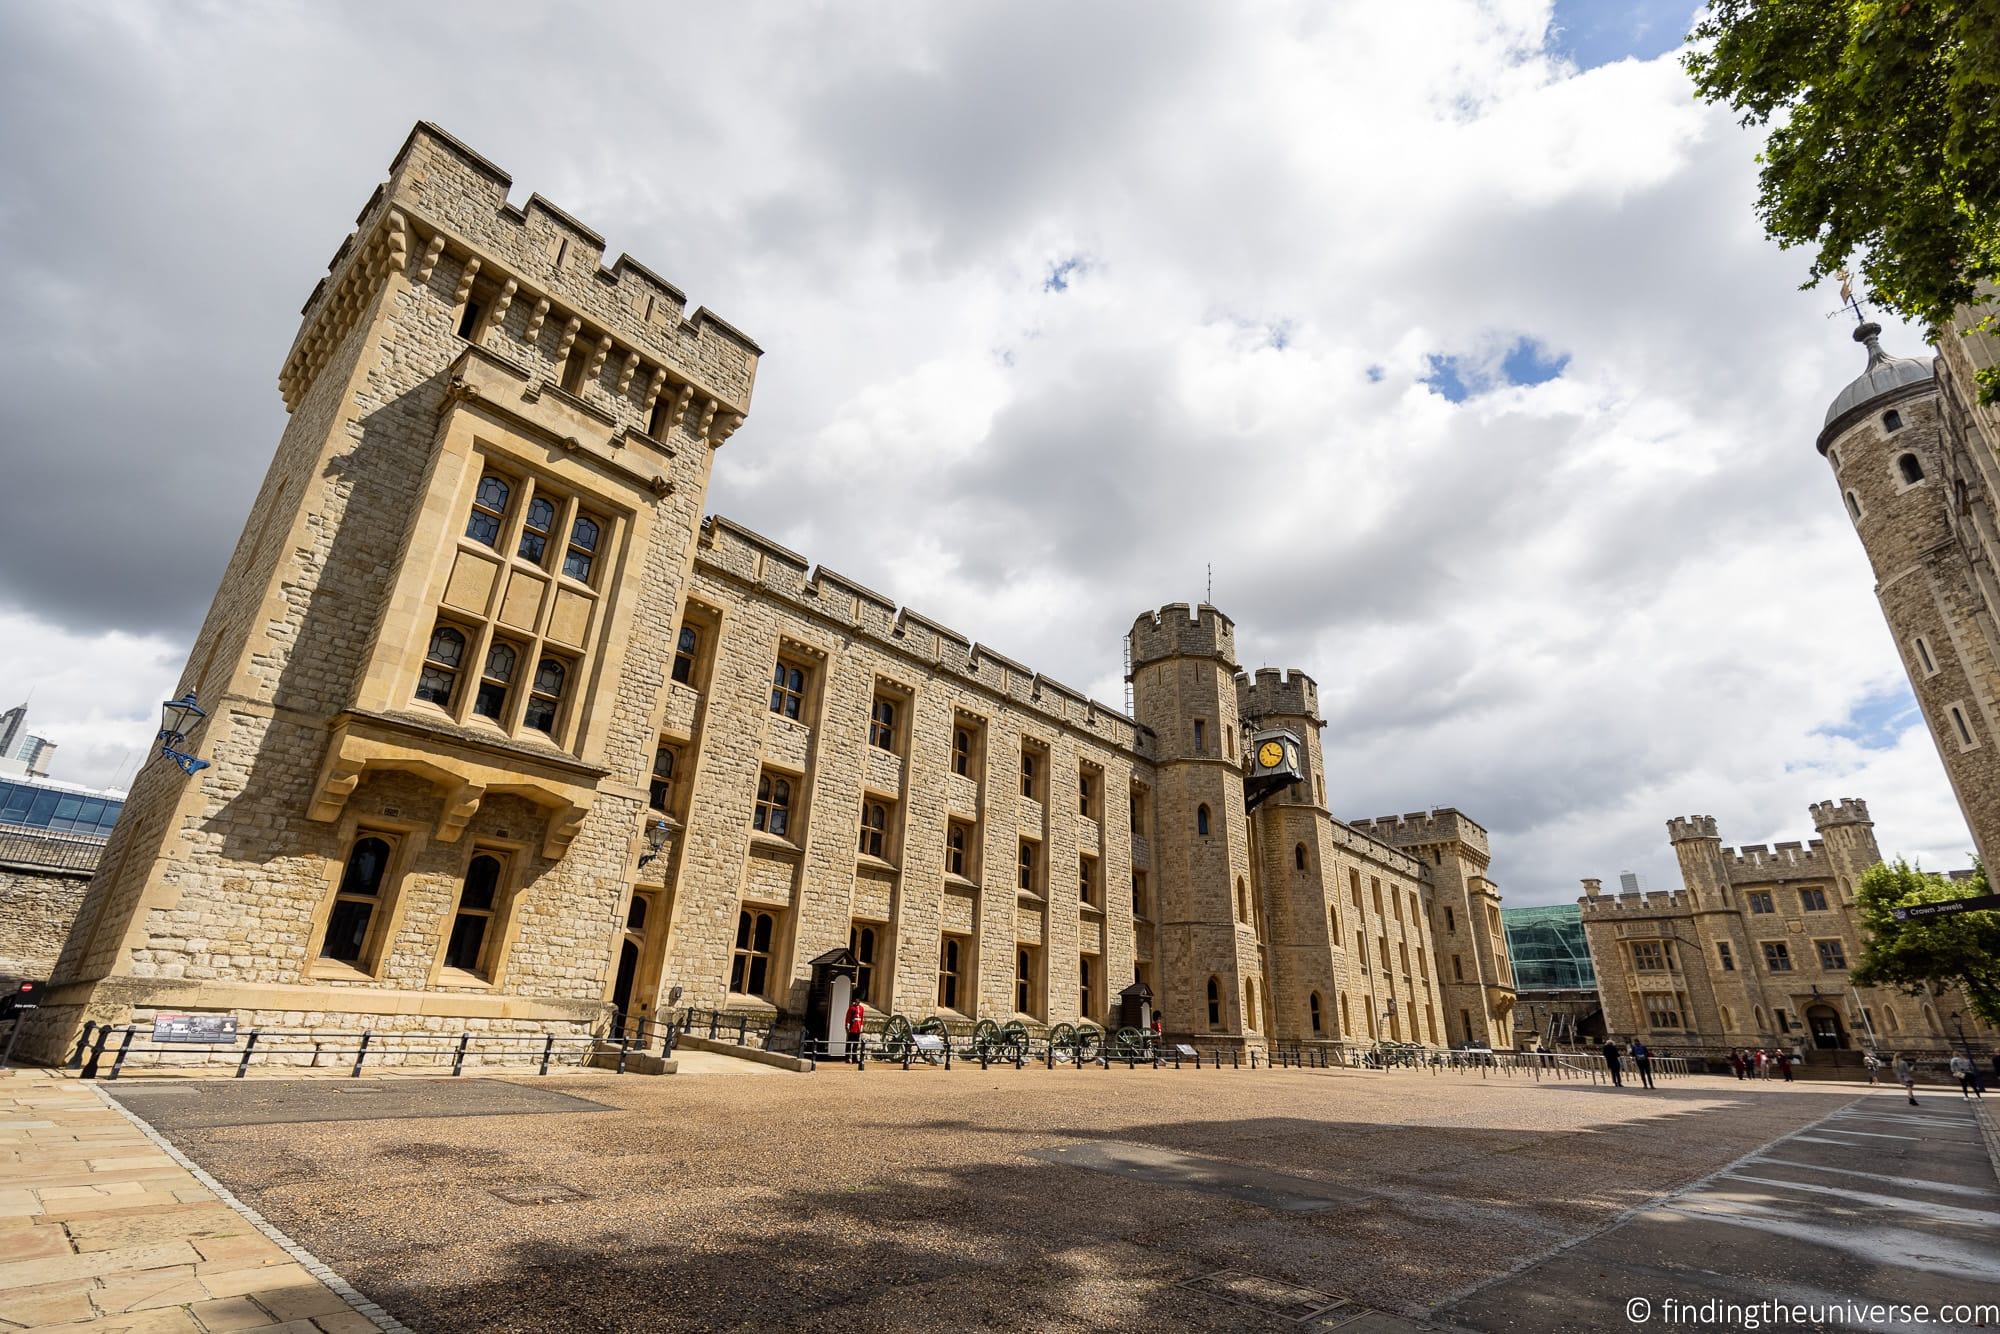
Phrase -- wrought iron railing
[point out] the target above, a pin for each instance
(41, 847)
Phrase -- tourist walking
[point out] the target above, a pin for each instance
(1873, 1066)
(855, 1014)
(1906, 1075)
(1968, 1078)
(1611, 1062)
(1736, 1062)
(1785, 1064)
(1642, 1060)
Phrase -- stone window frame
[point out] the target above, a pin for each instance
(502, 924)
(1346, 1017)
(954, 953)
(889, 710)
(1649, 956)
(1090, 791)
(1361, 947)
(1725, 956)
(664, 791)
(1666, 1018)
(876, 828)
(1031, 865)
(1900, 468)
(705, 624)
(532, 647)
(792, 677)
(1028, 987)
(1777, 956)
(1142, 896)
(864, 941)
(1242, 901)
(1961, 733)
(967, 759)
(1214, 999)
(1201, 820)
(1856, 511)
(748, 954)
(1333, 924)
(967, 849)
(1920, 648)
(1035, 757)
(1838, 952)
(1315, 1013)
(765, 803)
(1090, 880)
(1892, 422)
(1812, 898)
(1760, 902)
(407, 840)
(1252, 1019)
(1088, 1006)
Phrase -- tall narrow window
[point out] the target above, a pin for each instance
(1086, 794)
(489, 510)
(774, 805)
(581, 556)
(355, 902)
(1138, 893)
(1024, 981)
(1201, 820)
(788, 688)
(491, 700)
(1313, 1011)
(874, 828)
(1028, 774)
(951, 971)
(861, 941)
(750, 964)
(660, 791)
(1200, 737)
(437, 682)
(1086, 986)
(545, 696)
(686, 648)
(466, 949)
(1965, 740)
(1853, 507)
(961, 751)
(535, 528)
(1299, 856)
(1923, 646)
(1912, 471)
(1028, 882)
(1214, 1003)
(1086, 875)
(882, 724)
(957, 837)
(1725, 956)
(1242, 900)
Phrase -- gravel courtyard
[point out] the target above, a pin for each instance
(903, 1200)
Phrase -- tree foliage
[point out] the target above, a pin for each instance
(1962, 950)
(1884, 142)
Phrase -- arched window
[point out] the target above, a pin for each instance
(491, 699)
(582, 554)
(954, 848)
(1892, 420)
(1024, 981)
(635, 916)
(1889, 1020)
(1853, 507)
(466, 949)
(686, 648)
(535, 530)
(489, 511)
(1299, 856)
(438, 681)
(354, 903)
(961, 751)
(660, 792)
(949, 970)
(1758, 1011)
(1027, 866)
(1201, 820)
(1728, 1020)
(882, 724)
(1028, 788)
(788, 688)
(1086, 986)
(1913, 471)
(774, 806)
(1333, 926)
(545, 696)
(1214, 1003)
(874, 827)
(1313, 1008)
(750, 964)
(1930, 1018)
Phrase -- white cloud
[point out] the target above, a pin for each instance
(1574, 609)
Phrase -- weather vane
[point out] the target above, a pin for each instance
(1847, 298)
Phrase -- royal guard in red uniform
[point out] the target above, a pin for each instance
(855, 1013)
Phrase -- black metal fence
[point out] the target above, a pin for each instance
(42, 848)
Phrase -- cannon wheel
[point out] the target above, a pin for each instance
(934, 1027)
(1089, 1037)
(1128, 1044)
(1013, 1041)
(1062, 1041)
(986, 1039)
(896, 1038)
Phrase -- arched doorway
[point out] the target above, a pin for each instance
(1824, 1023)
(628, 971)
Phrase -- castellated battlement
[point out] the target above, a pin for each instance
(444, 211)
(736, 553)
(1757, 861)
(1682, 829)
(1274, 694)
(1177, 630)
(1441, 825)
(1848, 810)
(1653, 903)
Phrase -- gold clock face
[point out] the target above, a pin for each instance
(1271, 755)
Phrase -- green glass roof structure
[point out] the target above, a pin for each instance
(1547, 948)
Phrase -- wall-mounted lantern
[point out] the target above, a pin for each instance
(656, 840)
(179, 717)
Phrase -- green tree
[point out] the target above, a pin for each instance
(1884, 142)
(1961, 950)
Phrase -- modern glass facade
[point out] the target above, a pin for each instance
(63, 810)
(1547, 948)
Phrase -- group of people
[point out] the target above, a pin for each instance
(1971, 1084)
(1757, 1063)
(1642, 1062)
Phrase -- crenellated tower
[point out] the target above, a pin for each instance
(1703, 868)
(1849, 838)
(1184, 689)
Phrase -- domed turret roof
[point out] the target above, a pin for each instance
(1885, 374)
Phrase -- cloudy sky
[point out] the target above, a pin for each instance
(1443, 331)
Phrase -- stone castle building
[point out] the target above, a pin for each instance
(1917, 459)
(505, 734)
(1756, 948)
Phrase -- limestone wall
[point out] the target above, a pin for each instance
(37, 910)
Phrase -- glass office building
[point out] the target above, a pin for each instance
(47, 806)
(1548, 949)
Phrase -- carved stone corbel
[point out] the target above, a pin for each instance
(460, 805)
(429, 260)
(564, 823)
(725, 426)
(465, 277)
(626, 372)
(653, 389)
(681, 402)
(505, 300)
(597, 358)
(568, 338)
(541, 312)
(339, 775)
